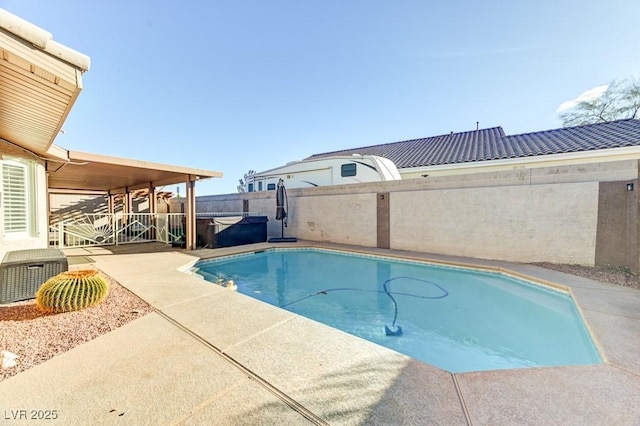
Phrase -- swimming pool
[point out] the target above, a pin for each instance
(454, 318)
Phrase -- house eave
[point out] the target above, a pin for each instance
(40, 81)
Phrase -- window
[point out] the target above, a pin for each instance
(251, 187)
(15, 197)
(260, 186)
(348, 169)
(271, 187)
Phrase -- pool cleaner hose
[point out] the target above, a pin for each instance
(396, 330)
(389, 329)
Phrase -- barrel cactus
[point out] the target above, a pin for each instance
(72, 291)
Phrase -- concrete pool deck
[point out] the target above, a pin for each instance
(209, 355)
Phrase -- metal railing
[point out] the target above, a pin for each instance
(97, 229)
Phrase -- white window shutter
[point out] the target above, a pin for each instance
(15, 202)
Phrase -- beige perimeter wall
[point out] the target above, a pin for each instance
(557, 214)
(333, 218)
(555, 223)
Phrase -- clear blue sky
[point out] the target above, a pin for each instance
(252, 84)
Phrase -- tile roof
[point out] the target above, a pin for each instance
(493, 144)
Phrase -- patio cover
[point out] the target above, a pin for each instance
(82, 171)
(97, 172)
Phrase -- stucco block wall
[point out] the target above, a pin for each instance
(265, 205)
(530, 223)
(225, 203)
(342, 218)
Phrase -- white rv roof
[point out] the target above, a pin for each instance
(352, 157)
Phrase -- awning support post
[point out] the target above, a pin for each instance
(190, 212)
(151, 198)
(111, 203)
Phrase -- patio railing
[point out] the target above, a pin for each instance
(97, 229)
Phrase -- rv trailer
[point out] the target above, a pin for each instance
(336, 170)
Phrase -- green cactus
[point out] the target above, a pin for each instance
(71, 291)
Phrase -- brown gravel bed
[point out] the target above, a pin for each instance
(619, 276)
(36, 337)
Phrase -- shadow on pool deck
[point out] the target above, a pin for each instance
(209, 355)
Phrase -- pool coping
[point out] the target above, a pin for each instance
(232, 357)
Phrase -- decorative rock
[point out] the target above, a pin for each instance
(8, 359)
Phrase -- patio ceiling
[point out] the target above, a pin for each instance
(39, 83)
(95, 172)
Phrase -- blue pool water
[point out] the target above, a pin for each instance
(454, 318)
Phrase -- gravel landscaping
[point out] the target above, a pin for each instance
(36, 337)
(619, 276)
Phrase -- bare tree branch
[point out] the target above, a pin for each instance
(621, 100)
